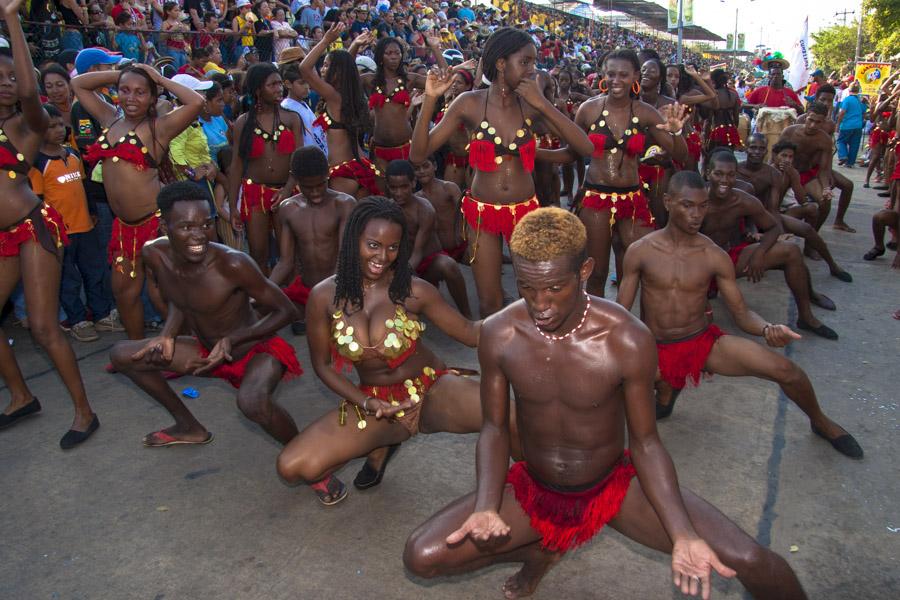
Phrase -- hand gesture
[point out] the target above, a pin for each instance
(529, 91)
(481, 527)
(469, 65)
(333, 33)
(148, 69)
(756, 268)
(433, 41)
(220, 353)
(690, 70)
(386, 410)
(417, 98)
(437, 82)
(675, 116)
(779, 336)
(236, 222)
(692, 564)
(157, 351)
(10, 8)
(827, 194)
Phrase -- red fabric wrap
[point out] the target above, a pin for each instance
(683, 360)
(297, 292)
(7, 158)
(635, 144)
(234, 372)
(567, 520)
(426, 262)
(390, 153)
(629, 205)
(127, 240)
(496, 219)
(734, 253)
(460, 161)
(256, 197)
(599, 142)
(650, 174)
(459, 252)
(377, 100)
(727, 135)
(694, 145)
(878, 137)
(807, 176)
(12, 239)
(359, 169)
(128, 152)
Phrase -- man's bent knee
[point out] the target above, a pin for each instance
(256, 406)
(420, 558)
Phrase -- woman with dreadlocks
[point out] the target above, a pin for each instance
(618, 125)
(134, 154)
(501, 150)
(342, 115)
(32, 235)
(264, 139)
(369, 317)
(388, 90)
(691, 89)
(723, 131)
(655, 166)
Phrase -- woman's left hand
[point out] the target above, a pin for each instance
(529, 91)
(675, 117)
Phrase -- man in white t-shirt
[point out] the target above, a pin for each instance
(298, 91)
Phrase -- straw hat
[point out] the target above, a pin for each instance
(292, 54)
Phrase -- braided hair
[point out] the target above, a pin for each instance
(628, 56)
(254, 81)
(348, 290)
(719, 78)
(343, 77)
(502, 43)
(380, 49)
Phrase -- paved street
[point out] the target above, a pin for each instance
(115, 520)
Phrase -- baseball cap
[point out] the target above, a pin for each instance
(365, 64)
(192, 82)
(242, 3)
(89, 57)
(817, 72)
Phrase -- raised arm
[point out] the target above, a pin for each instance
(175, 121)
(85, 87)
(666, 127)
(576, 139)
(425, 142)
(33, 113)
(707, 95)
(311, 76)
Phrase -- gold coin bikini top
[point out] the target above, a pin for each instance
(398, 344)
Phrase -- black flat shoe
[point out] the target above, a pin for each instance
(665, 411)
(873, 253)
(73, 438)
(32, 408)
(822, 301)
(368, 477)
(880, 187)
(822, 330)
(843, 276)
(845, 444)
(298, 327)
(884, 194)
(891, 246)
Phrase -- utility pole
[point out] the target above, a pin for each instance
(734, 40)
(859, 26)
(681, 30)
(843, 15)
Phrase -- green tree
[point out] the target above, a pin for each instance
(834, 47)
(882, 24)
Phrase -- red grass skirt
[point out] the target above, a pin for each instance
(234, 372)
(459, 252)
(458, 161)
(694, 145)
(725, 135)
(256, 197)
(567, 520)
(389, 153)
(496, 219)
(684, 359)
(126, 241)
(360, 170)
(807, 176)
(297, 292)
(12, 239)
(878, 137)
(622, 203)
(650, 174)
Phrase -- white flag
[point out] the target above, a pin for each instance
(798, 73)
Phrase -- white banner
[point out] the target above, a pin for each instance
(798, 73)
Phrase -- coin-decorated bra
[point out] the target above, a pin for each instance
(604, 140)
(399, 341)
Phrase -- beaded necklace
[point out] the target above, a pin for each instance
(557, 338)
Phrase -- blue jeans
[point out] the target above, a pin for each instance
(848, 145)
(84, 264)
(179, 57)
(72, 40)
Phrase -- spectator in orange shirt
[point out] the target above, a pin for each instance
(56, 176)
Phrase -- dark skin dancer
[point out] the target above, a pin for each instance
(573, 434)
(24, 121)
(131, 190)
(690, 95)
(312, 223)
(728, 207)
(459, 141)
(814, 148)
(444, 197)
(651, 79)
(209, 287)
(546, 176)
(452, 404)
(513, 93)
(421, 221)
(567, 102)
(673, 267)
(769, 187)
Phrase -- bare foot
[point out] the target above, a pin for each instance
(526, 580)
(841, 226)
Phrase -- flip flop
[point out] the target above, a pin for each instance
(873, 253)
(843, 227)
(167, 440)
(337, 494)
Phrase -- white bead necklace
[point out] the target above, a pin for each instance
(556, 338)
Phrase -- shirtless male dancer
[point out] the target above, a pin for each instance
(209, 287)
(572, 410)
(813, 157)
(770, 185)
(673, 267)
(311, 223)
(430, 262)
(444, 197)
(728, 208)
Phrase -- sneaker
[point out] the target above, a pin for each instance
(110, 322)
(84, 332)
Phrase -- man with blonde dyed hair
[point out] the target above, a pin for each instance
(581, 368)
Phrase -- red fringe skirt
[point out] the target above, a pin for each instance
(684, 359)
(694, 145)
(567, 520)
(390, 153)
(725, 135)
(878, 137)
(12, 239)
(256, 197)
(496, 219)
(126, 241)
(234, 372)
(297, 292)
(622, 203)
(458, 161)
(360, 170)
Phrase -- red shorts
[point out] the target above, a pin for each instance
(51, 221)
(568, 519)
(496, 219)
(807, 176)
(389, 153)
(460, 162)
(622, 203)
(459, 252)
(256, 197)
(684, 359)
(360, 170)
(126, 241)
(234, 372)
(426, 262)
(725, 135)
(734, 253)
(297, 292)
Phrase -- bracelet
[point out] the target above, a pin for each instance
(767, 325)
(365, 405)
(677, 133)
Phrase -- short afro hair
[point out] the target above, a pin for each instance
(723, 155)
(686, 179)
(825, 88)
(819, 108)
(180, 191)
(783, 145)
(401, 168)
(549, 233)
(309, 161)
